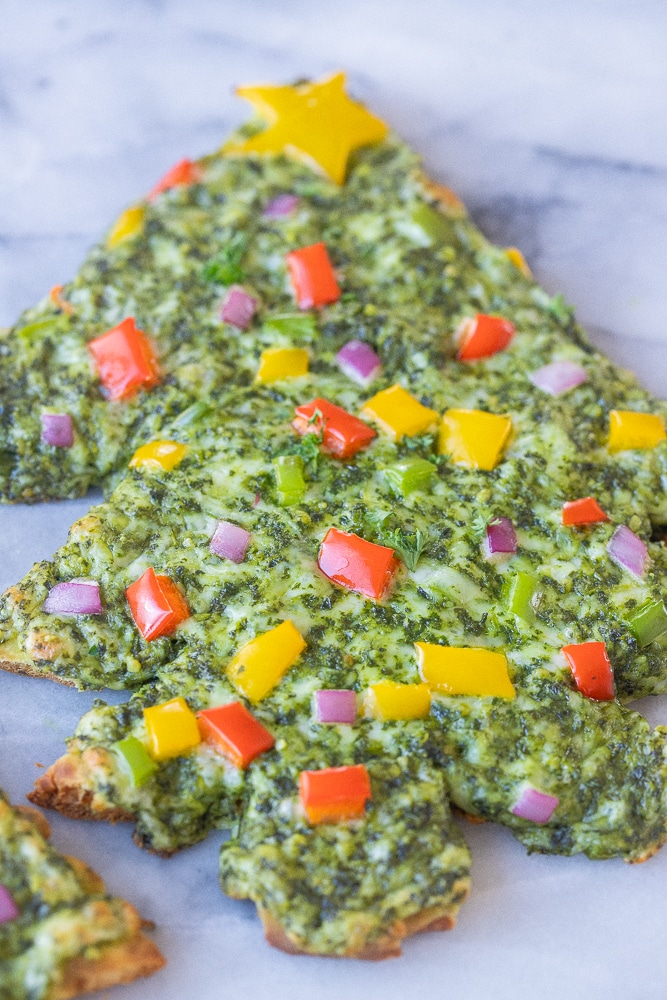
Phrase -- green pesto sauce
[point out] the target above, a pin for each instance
(404, 292)
(60, 917)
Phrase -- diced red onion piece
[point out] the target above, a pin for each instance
(559, 377)
(238, 308)
(8, 908)
(335, 706)
(281, 206)
(229, 541)
(57, 429)
(500, 538)
(628, 551)
(256, 501)
(538, 807)
(359, 362)
(75, 597)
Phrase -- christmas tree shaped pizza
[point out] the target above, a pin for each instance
(385, 539)
(61, 934)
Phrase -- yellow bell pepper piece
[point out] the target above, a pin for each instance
(260, 664)
(159, 455)
(389, 700)
(172, 729)
(282, 362)
(129, 223)
(473, 437)
(315, 122)
(398, 413)
(519, 261)
(628, 429)
(460, 670)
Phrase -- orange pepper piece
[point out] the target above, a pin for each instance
(125, 360)
(312, 276)
(235, 732)
(343, 435)
(183, 173)
(483, 336)
(354, 563)
(591, 669)
(585, 511)
(335, 793)
(157, 605)
(56, 297)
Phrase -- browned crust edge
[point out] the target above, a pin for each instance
(62, 787)
(26, 668)
(433, 918)
(131, 959)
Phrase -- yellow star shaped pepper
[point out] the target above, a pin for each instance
(316, 122)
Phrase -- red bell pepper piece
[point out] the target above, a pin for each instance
(353, 562)
(483, 336)
(125, 360)
(183, 173)
(585, 511)
(312, 276)
(157, 605)
(235, 732)
(343, 435)
(335, 793)
(591, 669)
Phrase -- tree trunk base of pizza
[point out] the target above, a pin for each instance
(442, 502)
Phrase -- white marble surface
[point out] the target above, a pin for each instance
(549, 119)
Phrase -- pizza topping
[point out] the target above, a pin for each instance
(390, 700)
(409, 475)
(74, 597)
(591, 669)
(334, 794)
(399, 414)
(282, 362)
(312, 276)
(157, 605)
(519, 261)
(290, 484)
(260, 664)
(135, 760)
(335, 706)
(359, 362)
(56, 297)
(172, 729)
(648, 622)
(500, 540)
(8, 908)
(125, 360)
(559, 377)
(343, 435)
(57, 430)
(238, 308)
(474, 438)
(230, 541)
(352, 562)
(482, 336)
(316, 122)
(585, 511)
(280, 206)
(183, 173)
(293, 326)
(628, 429)
(629, 551)
(129, 224)
(235, 732)
(521, 594)
(165, 455)
(536, 806)
(464, 670)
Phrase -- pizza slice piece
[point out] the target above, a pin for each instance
(62, 935)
